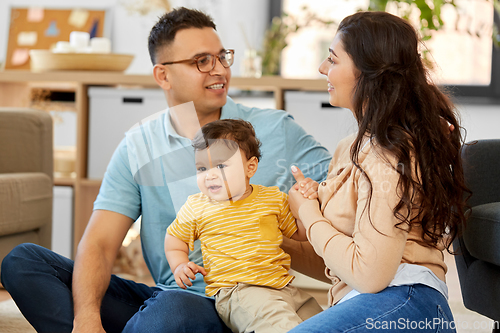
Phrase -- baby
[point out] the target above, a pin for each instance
(241, 228)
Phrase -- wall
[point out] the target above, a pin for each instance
(129, 35)
(129, 31)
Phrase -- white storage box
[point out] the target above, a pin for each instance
(314, 113)
(62, 221)
(112, 112)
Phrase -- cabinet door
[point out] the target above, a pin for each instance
(112, 112)
(314, 113)
(62, 219)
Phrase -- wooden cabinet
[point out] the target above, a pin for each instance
(16, 91)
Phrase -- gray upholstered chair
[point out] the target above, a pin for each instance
(26, 178)
(478, 258)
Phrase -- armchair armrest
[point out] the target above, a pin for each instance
(481, 162)
(25, 141)
(482, 233)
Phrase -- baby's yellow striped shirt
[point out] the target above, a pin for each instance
(240, 241)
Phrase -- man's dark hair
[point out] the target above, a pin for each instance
(235, 133)
(164, 31)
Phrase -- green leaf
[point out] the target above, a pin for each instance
(426, 13)
(377, 5)
(437, 10)
(496, 5)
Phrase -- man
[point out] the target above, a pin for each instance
(151, 175)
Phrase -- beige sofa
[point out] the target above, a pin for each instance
(26, 178)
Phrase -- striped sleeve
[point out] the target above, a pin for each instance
(286, 220)
(184, 226)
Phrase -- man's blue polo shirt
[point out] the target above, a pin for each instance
(152, 172)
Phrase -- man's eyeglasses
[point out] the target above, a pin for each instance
(206, 62)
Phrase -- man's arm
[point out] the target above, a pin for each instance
(94, 260)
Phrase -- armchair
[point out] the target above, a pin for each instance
(478, 248)
(26, 178)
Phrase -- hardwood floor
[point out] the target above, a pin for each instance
(4, 295)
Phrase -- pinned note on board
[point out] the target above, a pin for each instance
(35, 14)
(20, 57)
(27, 38)
(78, 17)
(93, 30)
(51, 26)
(52, 30)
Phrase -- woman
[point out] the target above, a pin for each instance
(393, 197)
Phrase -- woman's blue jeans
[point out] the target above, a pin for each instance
(39, 281)
(414, 308)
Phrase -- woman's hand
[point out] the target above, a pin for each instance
(306, 186)
(300, 194)
(446, 127)
(295, 200)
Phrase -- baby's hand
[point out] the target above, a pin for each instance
(185, 272)
(308, 188)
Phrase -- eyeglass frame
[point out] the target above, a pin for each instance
(195, 60)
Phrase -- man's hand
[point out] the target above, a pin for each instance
(306, 186)
(185, 272)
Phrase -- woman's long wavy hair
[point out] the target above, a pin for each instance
(396, 103)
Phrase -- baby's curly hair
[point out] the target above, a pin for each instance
(236, 133)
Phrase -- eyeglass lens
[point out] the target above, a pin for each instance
(207, 62)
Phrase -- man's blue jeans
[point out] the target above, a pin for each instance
(414, 308)
(39, 281)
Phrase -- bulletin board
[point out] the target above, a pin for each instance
(41, 28)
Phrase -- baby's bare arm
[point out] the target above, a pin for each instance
(184, 270)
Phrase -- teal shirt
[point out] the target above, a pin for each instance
(152, 172)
